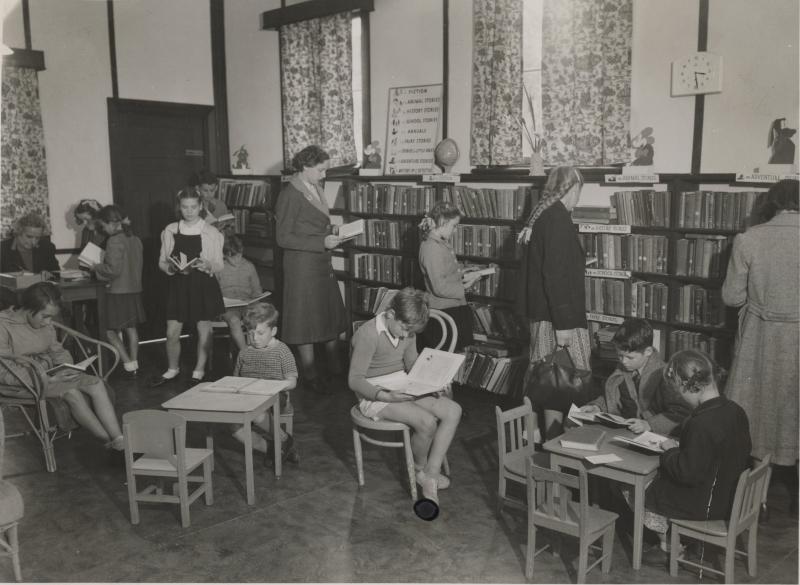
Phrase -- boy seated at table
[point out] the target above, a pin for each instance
(386, 344)
(268, 358)
(636, 390)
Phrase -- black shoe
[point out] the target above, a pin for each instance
(130, 374)
(195, 381)
(156, 381)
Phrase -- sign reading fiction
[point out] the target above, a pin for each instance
(412, 129)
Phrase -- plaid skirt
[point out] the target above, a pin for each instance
(543, 343)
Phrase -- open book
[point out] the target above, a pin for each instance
(647, 440)
(604, 418)
(92, 254)
(433, 370)
(239, 385)
(352, 229)
(230, 303)
(80, 366)
(181, 262)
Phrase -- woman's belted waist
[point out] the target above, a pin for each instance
(766, 315)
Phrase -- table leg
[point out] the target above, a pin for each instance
(248, 461)
(276, 436)
(638, 521)
(210, 444)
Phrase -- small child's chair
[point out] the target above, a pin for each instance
(161, 438)
(516, 429)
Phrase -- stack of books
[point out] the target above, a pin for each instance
(492, 369)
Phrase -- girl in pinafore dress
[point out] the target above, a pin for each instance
(193, 294)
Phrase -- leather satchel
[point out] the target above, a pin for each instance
(554, 383)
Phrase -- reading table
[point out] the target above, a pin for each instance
(636, 468)
(200, 405)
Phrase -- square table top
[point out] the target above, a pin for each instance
(636, 461)
(196, 398)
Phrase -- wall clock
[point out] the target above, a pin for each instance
(698, 73)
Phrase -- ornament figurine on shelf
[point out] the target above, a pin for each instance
(241, 165)
(372, 155)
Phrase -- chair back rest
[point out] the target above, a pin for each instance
(750, 492)
(515, 430)
(155, 433)
(448, 326)
(82, 346)
(552, 496)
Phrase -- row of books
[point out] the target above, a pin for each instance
(503, 283)
(500, 375)
(635, 252)
(646, 207)
(497, 321)
(512, 203)
(602, 336)
(594, 214)
(702, 256)
(486, 241)
(629, 298)
(680, 340)
(389, 199)
(715, 209)
(243, 193)
(387, 233)
(372, 299)
(700, 306)
(384, 268)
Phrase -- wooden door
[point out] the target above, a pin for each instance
(155, 147)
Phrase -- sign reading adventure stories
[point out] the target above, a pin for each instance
(412, 129)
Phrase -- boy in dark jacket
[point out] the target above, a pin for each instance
(636, 390)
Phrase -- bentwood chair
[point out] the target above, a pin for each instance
(11, 512)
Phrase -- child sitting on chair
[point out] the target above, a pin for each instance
(268, 358)
(238, 279)
(636, 390)
(386, 344)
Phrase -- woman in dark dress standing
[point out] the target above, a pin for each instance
(551, 292)
(313, 310)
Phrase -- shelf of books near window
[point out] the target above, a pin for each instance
(384, 259)
(662, 255)
(251, 200)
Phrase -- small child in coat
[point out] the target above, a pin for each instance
(238, 279)
(268, 358)
(637, 390)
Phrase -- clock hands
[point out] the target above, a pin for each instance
(696, 73)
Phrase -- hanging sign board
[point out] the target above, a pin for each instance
(412, 129)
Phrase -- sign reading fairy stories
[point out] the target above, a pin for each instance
(412, 130)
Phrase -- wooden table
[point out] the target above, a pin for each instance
(225, 407)
(77, 290)
(637, 468)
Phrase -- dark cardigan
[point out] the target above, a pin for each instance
(44, 257)
(715, 443)
(553, 269)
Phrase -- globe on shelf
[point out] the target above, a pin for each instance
(446, 154)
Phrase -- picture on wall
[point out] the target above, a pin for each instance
(412, 129)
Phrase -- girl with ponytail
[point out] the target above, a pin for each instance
(444, 279)
(551, 293)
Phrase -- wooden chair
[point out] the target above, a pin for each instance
(161, 438)
(27, 393)
(550, 506)
(750, 492)
(449, 329)
(515, 432)
(11, 512)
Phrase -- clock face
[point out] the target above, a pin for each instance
(698, 73)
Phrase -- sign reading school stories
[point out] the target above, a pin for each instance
(412, 129)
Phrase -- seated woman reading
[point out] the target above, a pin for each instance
(386, 344)
(26, 250)
(28, 331)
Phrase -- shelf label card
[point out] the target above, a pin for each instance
(412, 129)
(441, 178)
(649, 179)
(610, 319)
(595, 228)
(764, 177)
(607, 273)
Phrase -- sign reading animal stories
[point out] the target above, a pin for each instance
(412, 129)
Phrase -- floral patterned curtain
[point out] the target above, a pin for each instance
(496, 82)
(586, 80)
(317, 87)
(23, 167)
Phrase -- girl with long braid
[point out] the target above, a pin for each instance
(551, 293)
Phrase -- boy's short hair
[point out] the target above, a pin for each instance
(233, 245)
(410, 306)
(633, 335)
(258, 313)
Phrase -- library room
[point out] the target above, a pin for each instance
(480, 291)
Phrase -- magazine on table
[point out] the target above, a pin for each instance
(433, 370)
(648, 440)
(241, 385)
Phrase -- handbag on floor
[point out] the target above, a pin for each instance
(554, 383)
